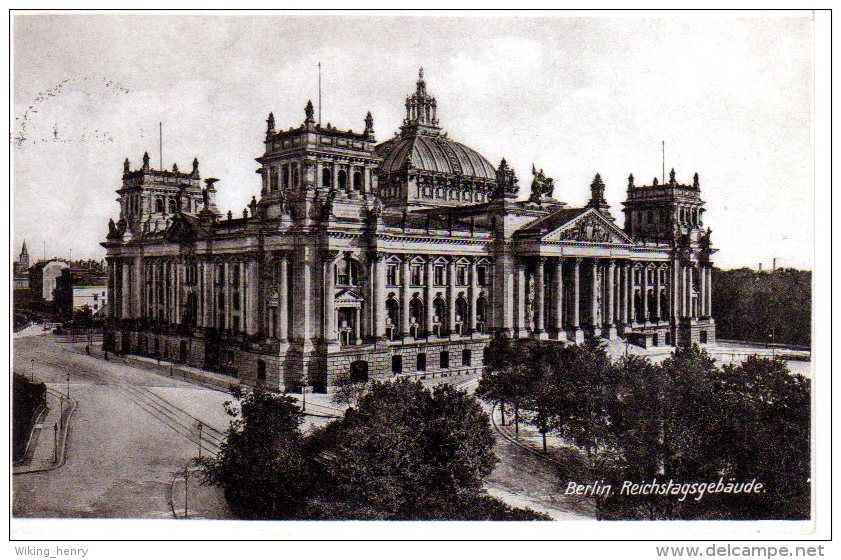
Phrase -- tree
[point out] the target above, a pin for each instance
(347, 391)
(586, 386)
(766, 416)
(410, 453)
(260, 464)
(507, 375)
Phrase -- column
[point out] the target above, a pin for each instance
(137, 287)
(451, 295)
(282, 326)
(357, 325)
(559, 296)
(378, 305)
(520, 305)
(594, 293)
(179, 279)
(675, 290)
(539, 296)
(644, 293)
(252, 284)
(611, 273)
(472, 294)
(692, 310)
(125, 290)
(329, 295)
(427, 294)
(243, 312)
(577, 334)
(709, 292)
(405, 278)
(632, 318)
(685, 292)
(623, 274)
(227, 292)
(657, 310)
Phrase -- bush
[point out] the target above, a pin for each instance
(28, 399)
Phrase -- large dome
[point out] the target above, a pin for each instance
(436, 154)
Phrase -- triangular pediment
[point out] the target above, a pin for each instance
(348, 297)
(590, 226)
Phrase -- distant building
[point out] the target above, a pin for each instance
(79, 287)
(42, 278)
(20, 270)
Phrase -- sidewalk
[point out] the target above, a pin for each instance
(48, 443)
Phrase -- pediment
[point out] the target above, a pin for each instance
(591, 227)
(348, 297)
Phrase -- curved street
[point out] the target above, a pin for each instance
(134, 431)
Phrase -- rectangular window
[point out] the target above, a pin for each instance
(236, 324)
(421, 362)
(465, 357)
(273, 179)
(396, 364)
(236, 301)
(439, 276)
(445, 359)
(391, 275)
(417, 275)
(235, 276)
(482, 275)
(461, 275)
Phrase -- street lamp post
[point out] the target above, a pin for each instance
(200, 428)
(68, 386)
(55, 443)
(186, 476)
(32, 370)
(304, 398)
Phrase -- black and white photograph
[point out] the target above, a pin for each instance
(498, 274)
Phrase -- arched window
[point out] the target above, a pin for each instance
(416, 311)
(481, 312)
(638, 307)
(439, 307)
(461, 315)
(342, 179)
(326, 177)
(392, 316)
(357, 181)
(651, 305)
(159, 205)
(664, 305)
(172, 206)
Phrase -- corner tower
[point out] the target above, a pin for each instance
(150, 197)
(664, 213)
(313, 163)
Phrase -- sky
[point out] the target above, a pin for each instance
(731, 97)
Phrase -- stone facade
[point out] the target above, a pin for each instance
(374, 260)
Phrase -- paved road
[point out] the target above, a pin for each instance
(121, 458)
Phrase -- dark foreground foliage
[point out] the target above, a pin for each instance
(28, 399)
(683, 420)
(404, 452)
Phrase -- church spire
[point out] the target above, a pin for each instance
(23, 250)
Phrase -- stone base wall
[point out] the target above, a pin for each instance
(285, 369)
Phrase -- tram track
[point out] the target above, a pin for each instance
(162, 410)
